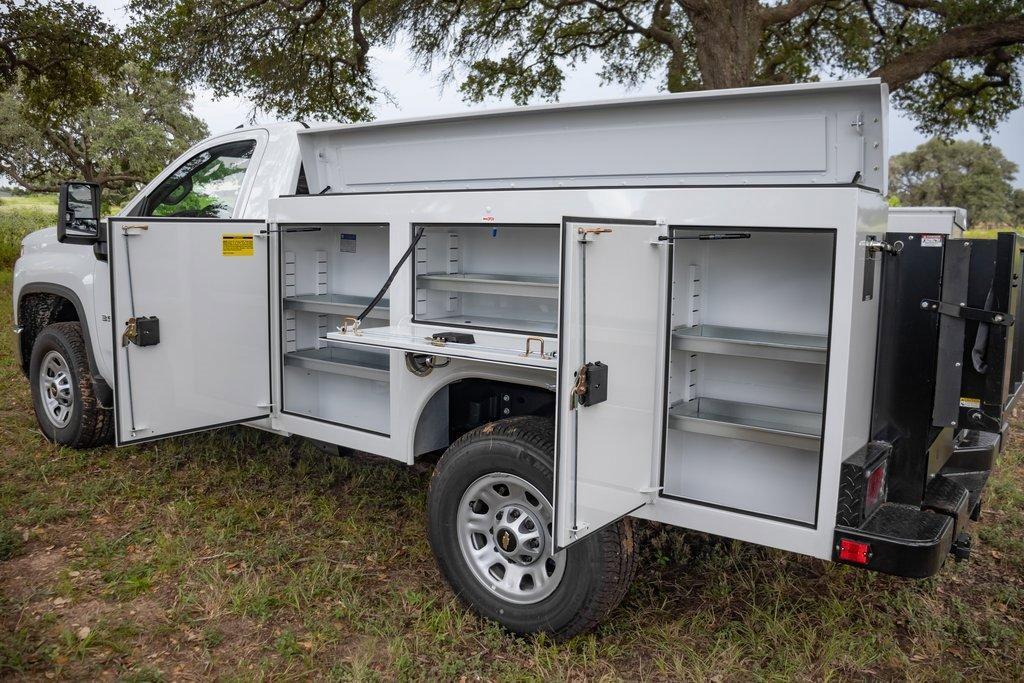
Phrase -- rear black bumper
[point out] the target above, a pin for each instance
(903, 540)
(911, 541)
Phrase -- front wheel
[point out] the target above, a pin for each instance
(491, 528)
(66, 406)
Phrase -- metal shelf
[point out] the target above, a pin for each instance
(337, 304)
(748, 421)
(737, 341)
(483, 283)
(342, 361)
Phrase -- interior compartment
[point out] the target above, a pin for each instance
(502, 277)
(747, 369)
(330, 273)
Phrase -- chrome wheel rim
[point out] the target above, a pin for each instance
(56, 389)
(504, 529)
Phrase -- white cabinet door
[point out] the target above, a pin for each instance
(613, 310)
(207, 283)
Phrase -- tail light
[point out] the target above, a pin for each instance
(875, 490)
(863, 484)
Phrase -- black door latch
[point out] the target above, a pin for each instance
(591, 385)
(144, 331)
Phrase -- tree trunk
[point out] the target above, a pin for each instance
(727, 36)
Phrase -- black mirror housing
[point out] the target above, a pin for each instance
(78, 212)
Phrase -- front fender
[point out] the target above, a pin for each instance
(68, 270)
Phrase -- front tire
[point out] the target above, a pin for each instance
(490, 527)
(66, 406)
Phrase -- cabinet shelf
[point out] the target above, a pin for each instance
(337, 304)
(342, 361)
(748, 421)
(485, 283)
(738, 341)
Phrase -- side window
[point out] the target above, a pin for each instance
(205, 186)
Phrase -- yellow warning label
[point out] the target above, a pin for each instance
(968, 402)
(236, 245)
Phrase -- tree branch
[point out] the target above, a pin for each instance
(973, 40)
(933, 6)
(780, 14)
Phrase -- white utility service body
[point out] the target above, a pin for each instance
(220, 357)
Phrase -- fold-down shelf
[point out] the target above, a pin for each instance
(737, 341)
(405, 339)
(342, 361)
(504, 324)
(748, 421)
(337, 304)
(485, 283)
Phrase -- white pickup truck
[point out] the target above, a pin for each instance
(661, 308)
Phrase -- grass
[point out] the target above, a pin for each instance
(243, 555)
(19, 216)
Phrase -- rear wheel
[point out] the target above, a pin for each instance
(66, 407)
(491, 529)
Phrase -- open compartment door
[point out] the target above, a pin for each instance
(190, 306)
(993, 355)
(613, 321)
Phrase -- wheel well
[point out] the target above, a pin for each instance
(475, 402)
(36, 311)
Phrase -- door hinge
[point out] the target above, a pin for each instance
(265, 406)
(966, 312)
(578, 529)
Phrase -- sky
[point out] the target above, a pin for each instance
(417, 94)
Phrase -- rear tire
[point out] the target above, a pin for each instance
(66, 406)
(484, 495)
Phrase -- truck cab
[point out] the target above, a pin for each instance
(228, 176)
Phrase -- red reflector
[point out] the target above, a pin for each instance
(853, 551)
(875, 490)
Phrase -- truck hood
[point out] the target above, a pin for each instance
(41, 239)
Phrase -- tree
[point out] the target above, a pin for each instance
(57, 53)
(1017, 219)
(142, 121)
(950, 63)
(962, 173)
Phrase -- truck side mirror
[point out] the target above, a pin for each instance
(78, 212)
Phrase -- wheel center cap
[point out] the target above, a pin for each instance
(506, 540)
